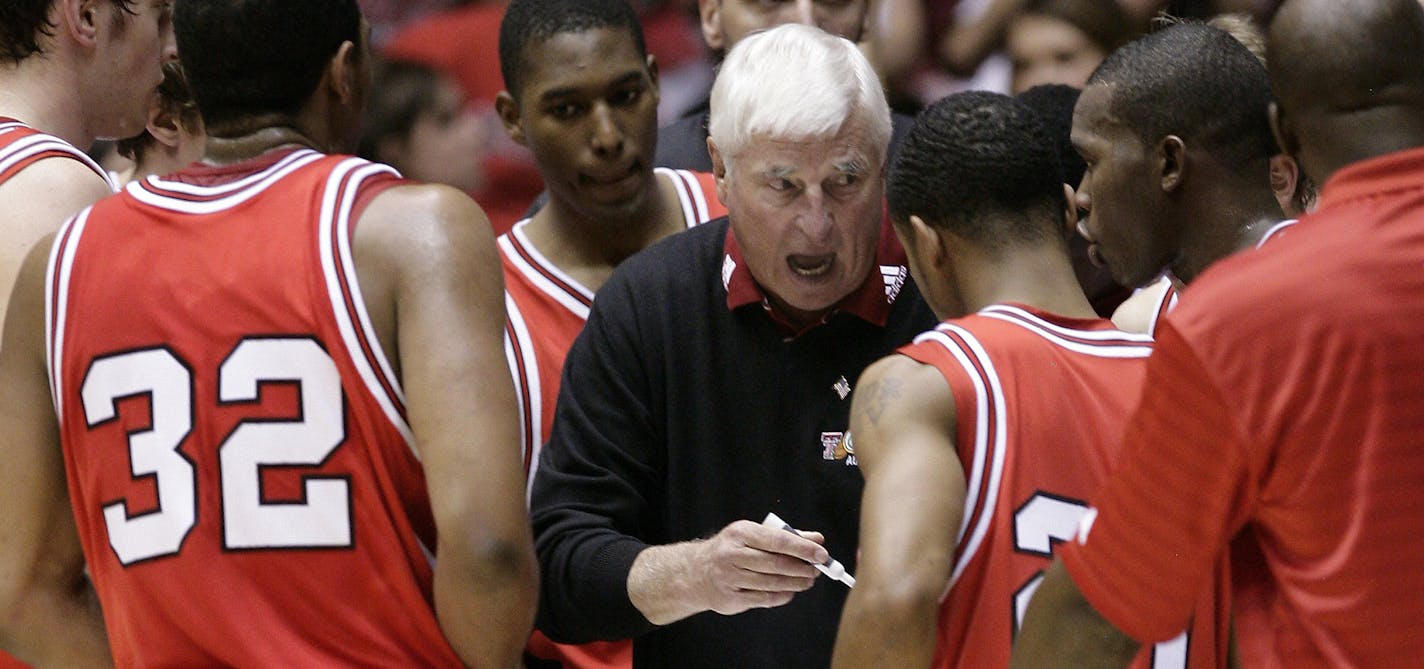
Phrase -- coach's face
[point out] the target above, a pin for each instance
(1123, 224)
(726, 22)
(806, 214)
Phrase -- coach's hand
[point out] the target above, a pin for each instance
(744, 566)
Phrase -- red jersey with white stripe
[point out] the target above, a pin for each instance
(1276, 231)
(1166, 302)
(547, 310)
(239, 462)
(22, 146)
(1041, 403)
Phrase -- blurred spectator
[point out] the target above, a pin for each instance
(419, 121)
(894, 41)
(460, 42)
(1062, 41)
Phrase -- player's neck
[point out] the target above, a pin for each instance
(42, 98)
(1039, 276)
(579, 244)
(241, 144)
(1233, 221)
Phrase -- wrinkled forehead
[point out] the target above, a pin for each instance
(852, 141)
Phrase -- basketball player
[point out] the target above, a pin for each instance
(1292, 191)
(981, 441)
(582, 94)
(71, 71)
(1284, 399)
(257, 466)
(1174, 132)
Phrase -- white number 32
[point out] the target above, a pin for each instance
(321, 520)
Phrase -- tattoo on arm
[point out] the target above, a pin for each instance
(882, 392)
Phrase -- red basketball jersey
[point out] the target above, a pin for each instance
(238, 457)
(22, 146)
(1042, 401)
(547, 309)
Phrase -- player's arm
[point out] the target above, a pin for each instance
(34, 203)
(49, 614)
(1062, 629)
(902, 423)
(449, 317)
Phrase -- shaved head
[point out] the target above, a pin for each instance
(1348, 54)
(1349, 78)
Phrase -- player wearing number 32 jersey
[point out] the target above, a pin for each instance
(234, 436)
(268, 397)
(982, 441)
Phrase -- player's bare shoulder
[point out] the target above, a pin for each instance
(897, 390)
(1139, 313)
(35, 202)
(424, 219)
(421, 237)
(48, 191)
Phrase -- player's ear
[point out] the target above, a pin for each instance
(163, 125)
(1285, 176)
(653, 77)
(345, 74)
(508, 111)
(1070, 211)
(1171, 163)
(80, 20)
(710, 13)
(719, 169)
(931, 240)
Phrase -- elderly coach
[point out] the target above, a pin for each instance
(712, 383)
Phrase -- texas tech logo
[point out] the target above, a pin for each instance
(838, 446)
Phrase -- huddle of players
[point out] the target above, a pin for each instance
(393, 337)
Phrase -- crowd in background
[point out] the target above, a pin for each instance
(923, 49)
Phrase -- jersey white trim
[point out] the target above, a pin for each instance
(689, 195)
(530, 394)
(354, 324)
(1274, 230)
(57, 274)
(28, 147)
(224, 196)
(986, 471)
(515, 245)
(537, 269)
(1101, 343)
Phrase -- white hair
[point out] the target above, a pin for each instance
(795, 82)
